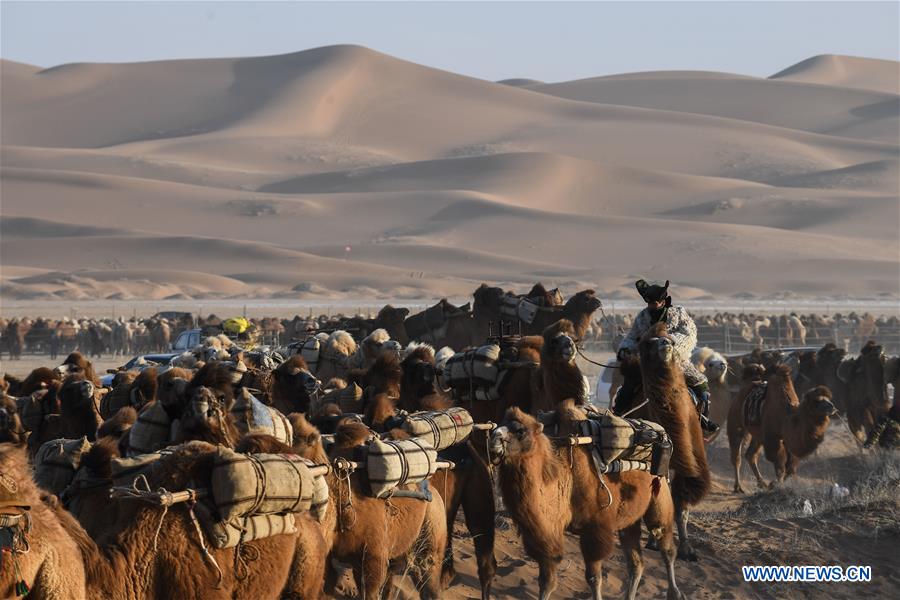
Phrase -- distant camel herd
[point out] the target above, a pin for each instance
(240, 469)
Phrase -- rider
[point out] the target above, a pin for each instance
(683, 333)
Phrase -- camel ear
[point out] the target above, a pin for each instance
(540, 427)
(312, 438)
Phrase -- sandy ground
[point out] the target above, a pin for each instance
(340, 172)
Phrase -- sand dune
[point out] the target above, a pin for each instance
(251, 177)
(846, 71)
(780, 102)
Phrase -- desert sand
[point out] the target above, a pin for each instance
(343, 173)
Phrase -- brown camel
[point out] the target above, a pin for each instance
(292, 384)
(381, 384)
(370, 533)
(77, 364)
(145, 551)
(788, 429)
(469, 484)
(132, 389)
(549, 491)
(78, 408)
(578, 310)
(443, 325)
(52, 568)
(669, 404)
(39, 378)
(867, 397)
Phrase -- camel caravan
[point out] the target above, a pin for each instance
(346, 453)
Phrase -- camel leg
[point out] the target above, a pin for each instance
(547, 579)
(777, 455)
(752, 456)
(631, 546)
(371, 578)
(478, 506)
(735, 447)
(685, 550)
(660, 521)
(791, 465)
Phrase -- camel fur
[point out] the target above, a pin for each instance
(53, 568)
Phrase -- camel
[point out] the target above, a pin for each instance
(140, 390)
(369, 533)
(578, 310)
(788, 430)
(867, 398)
(715, 367)
(549, 491)
(78, 408)
(669, 404)
(469, 484)
(560, 375)
(381, 383)
(292, 384)
(144, 551)
(443, 325)
(14, 338)
(52, 568)
(39, 378)
(76, 364)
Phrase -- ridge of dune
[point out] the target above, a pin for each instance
(875, 74)
(521, 82)
(799, 105)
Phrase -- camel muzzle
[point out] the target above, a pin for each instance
(497, 447)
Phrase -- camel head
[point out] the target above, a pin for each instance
(76, 364)
(487, 299)
(517, 438)
(817, 403)
(307, 441)
(830, 356)
(419, 373)
(753, 372)
(559, 342)
(584, 302)
(716, 367)
(656, 347)
(292, 380)
(385, 374)
(206, 418)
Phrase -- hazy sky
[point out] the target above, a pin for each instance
(551, 41)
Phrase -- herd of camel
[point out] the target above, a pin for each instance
(83, 543)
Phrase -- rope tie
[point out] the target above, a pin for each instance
(646, 400)
(207, 555)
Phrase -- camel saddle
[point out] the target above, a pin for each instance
(754, 402)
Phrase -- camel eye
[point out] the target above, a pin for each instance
(520, 433)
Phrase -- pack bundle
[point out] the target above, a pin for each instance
(245, 485)
(119, 397)
(518, 308)
(151, 431)
(56, 462)
(252, 416)
(391, 464)
(627, 444)
(311, 349)
(441, 428)
(476, 370)
(228, 534)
